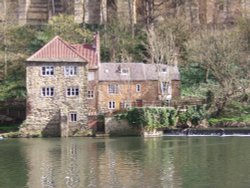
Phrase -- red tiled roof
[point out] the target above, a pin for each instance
(88, 52)
(58, 50)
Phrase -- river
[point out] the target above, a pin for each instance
(129, 162)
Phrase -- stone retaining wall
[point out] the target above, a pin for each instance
(115, 127)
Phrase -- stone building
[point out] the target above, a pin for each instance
(123, 85)
(56, 81)
(68, 86)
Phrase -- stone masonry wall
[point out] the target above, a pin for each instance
(115, 127)
(92, 102)
(46, 112)
(176, 90)
(127, 92)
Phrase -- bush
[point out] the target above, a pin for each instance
(193, 114)
(152, 117)
(215, 121)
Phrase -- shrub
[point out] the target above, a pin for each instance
(152, 117)
(194, 114)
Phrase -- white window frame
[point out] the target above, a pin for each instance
(70, 70)
(124, 71)
(165, 87)
(73, 117)
(138, 88)
(113, 89)
(47, 92)
(72, 91)
(90, 94)
(47, 70)
(111, 105)
(91, 76)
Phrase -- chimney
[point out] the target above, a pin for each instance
(97, 47)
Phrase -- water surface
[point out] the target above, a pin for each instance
(131, 162)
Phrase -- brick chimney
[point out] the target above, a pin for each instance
(97, 47)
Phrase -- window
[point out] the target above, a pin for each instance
(73, 117)
(72, 91)
(164, 70)
(47, 70)
(91, 76)
(90, 94)
(124, 71)
(164, 87)
(113, 88)
(47, 91)
(138, 88)
(111, 104)
(70, 70)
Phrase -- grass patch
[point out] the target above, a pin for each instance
(9, 128)
(243, 118)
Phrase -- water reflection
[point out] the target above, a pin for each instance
(170, 162)
(81, 162)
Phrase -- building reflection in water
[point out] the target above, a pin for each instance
(105, 163)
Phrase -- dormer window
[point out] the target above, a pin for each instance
(164, 70)
(124, 71)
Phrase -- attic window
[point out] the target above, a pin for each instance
(125, 71)
(164, 70)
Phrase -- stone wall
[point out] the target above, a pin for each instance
(127, 93)
(176, 89)
(46, 112)
(115, 127)
(92, 86)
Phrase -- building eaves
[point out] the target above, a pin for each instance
(57, 50)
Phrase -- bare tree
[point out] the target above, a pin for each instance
(166, 40)
(222, 53)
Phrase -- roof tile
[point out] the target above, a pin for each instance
(57, 50)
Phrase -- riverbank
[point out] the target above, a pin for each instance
(208, 131)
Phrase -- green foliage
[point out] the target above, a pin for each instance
(194, 114)
(65, 26)
(135, 117)
(243, 118)
(13, 87)
(152, 117)
(9, 128)
(120, 45)
(120, 116)
(19, 42)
